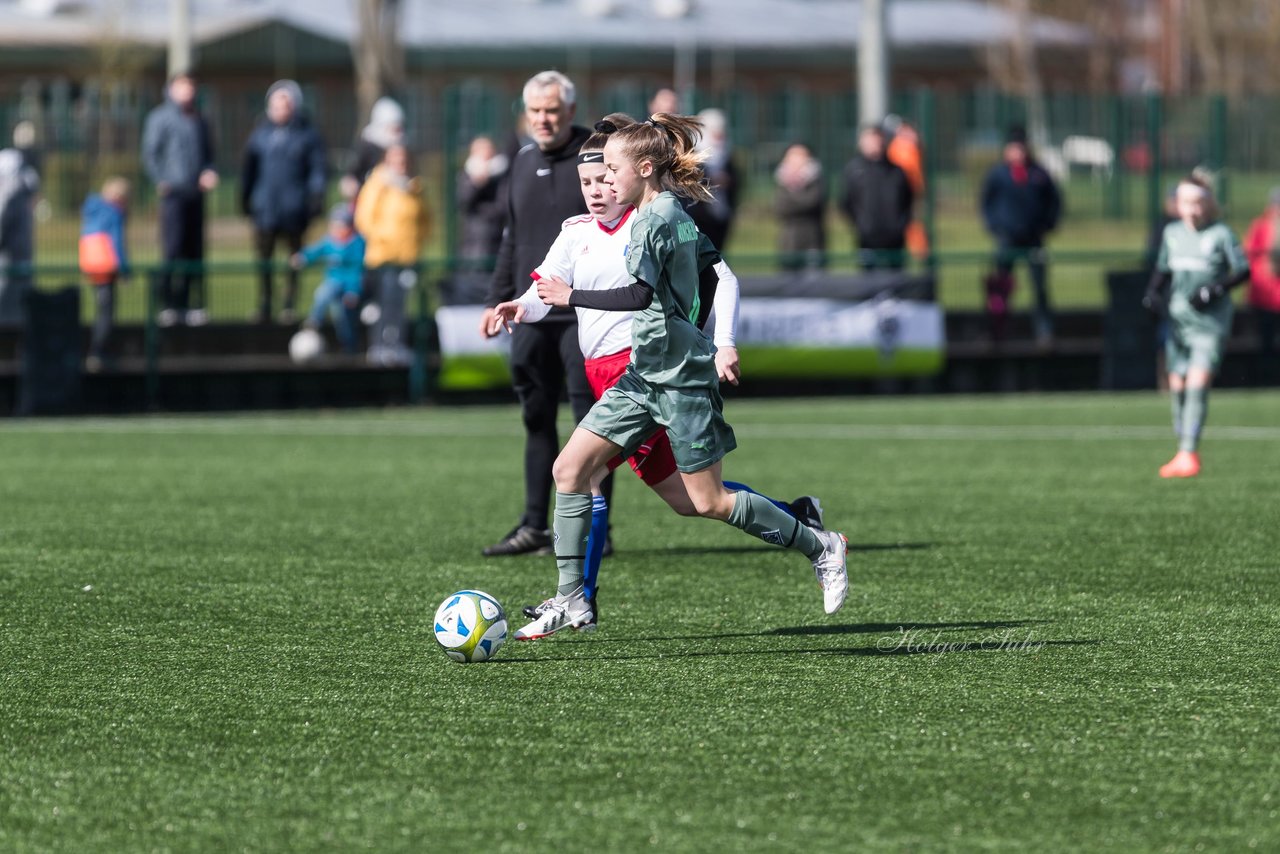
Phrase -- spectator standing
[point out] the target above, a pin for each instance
(177, 154)
(1155, 240)
(714, 218)
(385, 129)
(282, 187)
(338, 295)
(546, 359)
(25, 140)
(800, 202)
(392, 217)
(906, 152)
(877, 199)
(1020, 205)
(665, 100)
(1262, 246)
(104, 259)
(19, 184)
(481, 198)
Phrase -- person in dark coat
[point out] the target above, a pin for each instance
(714, 218)
(482, 200)
(19, 185)
(480, 192)
(385, 129)
(1020, 204)
(177, 154)
(800, 202)
(282, 187)
(877, 199)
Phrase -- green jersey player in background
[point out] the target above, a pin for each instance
(1200, 261)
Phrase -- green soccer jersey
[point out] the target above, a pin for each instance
(1199, 258)
(668, 349)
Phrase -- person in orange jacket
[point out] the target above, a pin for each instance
(392, 217)
(1262, 247)
(906, 152)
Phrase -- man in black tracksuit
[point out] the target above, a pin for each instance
(877, 200)
(543, 192)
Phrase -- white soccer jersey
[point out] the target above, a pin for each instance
(591, 255)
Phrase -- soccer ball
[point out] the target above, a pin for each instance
(305, 346)
(470, 626)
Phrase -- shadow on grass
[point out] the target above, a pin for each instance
(871, 628)
(761, 548)
(845, 629)
(924, 647)
(904, 638)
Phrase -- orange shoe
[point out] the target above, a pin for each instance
(1183, 464)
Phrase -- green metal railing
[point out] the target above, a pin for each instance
(1077, 281)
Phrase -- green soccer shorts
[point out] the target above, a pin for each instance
(630, 412)
(1192, 348)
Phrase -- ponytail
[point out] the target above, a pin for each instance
(670, 143)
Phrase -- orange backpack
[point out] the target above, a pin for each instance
(98, 260)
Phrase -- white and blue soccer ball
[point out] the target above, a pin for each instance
(470, 626)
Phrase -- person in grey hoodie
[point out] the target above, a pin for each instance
(282, 187)
(19, 185)
(177, 154)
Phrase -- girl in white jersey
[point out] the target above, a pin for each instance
(590, 254)
(671, 380)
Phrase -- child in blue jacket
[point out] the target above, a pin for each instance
(338, 296)
(103, 259)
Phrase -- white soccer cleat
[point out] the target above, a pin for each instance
(556, 614)
(830, 568)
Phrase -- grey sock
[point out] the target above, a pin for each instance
(760, 517)
(1176, 399)
(571, 525)
(1194, 413)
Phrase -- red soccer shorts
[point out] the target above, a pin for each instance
(653, 460)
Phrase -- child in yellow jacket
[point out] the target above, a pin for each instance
(393, 219)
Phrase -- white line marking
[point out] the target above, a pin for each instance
(510, 428)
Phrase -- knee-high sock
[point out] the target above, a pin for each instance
(1194, 412)
(572, 524)
(756, 515)
(742, 487)
(595, 544)
(1176, 399)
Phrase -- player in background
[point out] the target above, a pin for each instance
(670, 381)
(590, 254)
(1199, 262)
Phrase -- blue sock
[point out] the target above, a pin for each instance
(734, 486)
(595, 544)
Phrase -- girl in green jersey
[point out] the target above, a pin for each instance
(671, 381)
(1199, 262)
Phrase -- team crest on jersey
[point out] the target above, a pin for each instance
(1207, 243)
(774, 537)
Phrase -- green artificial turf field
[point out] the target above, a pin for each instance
(217, 637)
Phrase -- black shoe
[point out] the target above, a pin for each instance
(808, 510)
(522, 540)
(533, 612)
